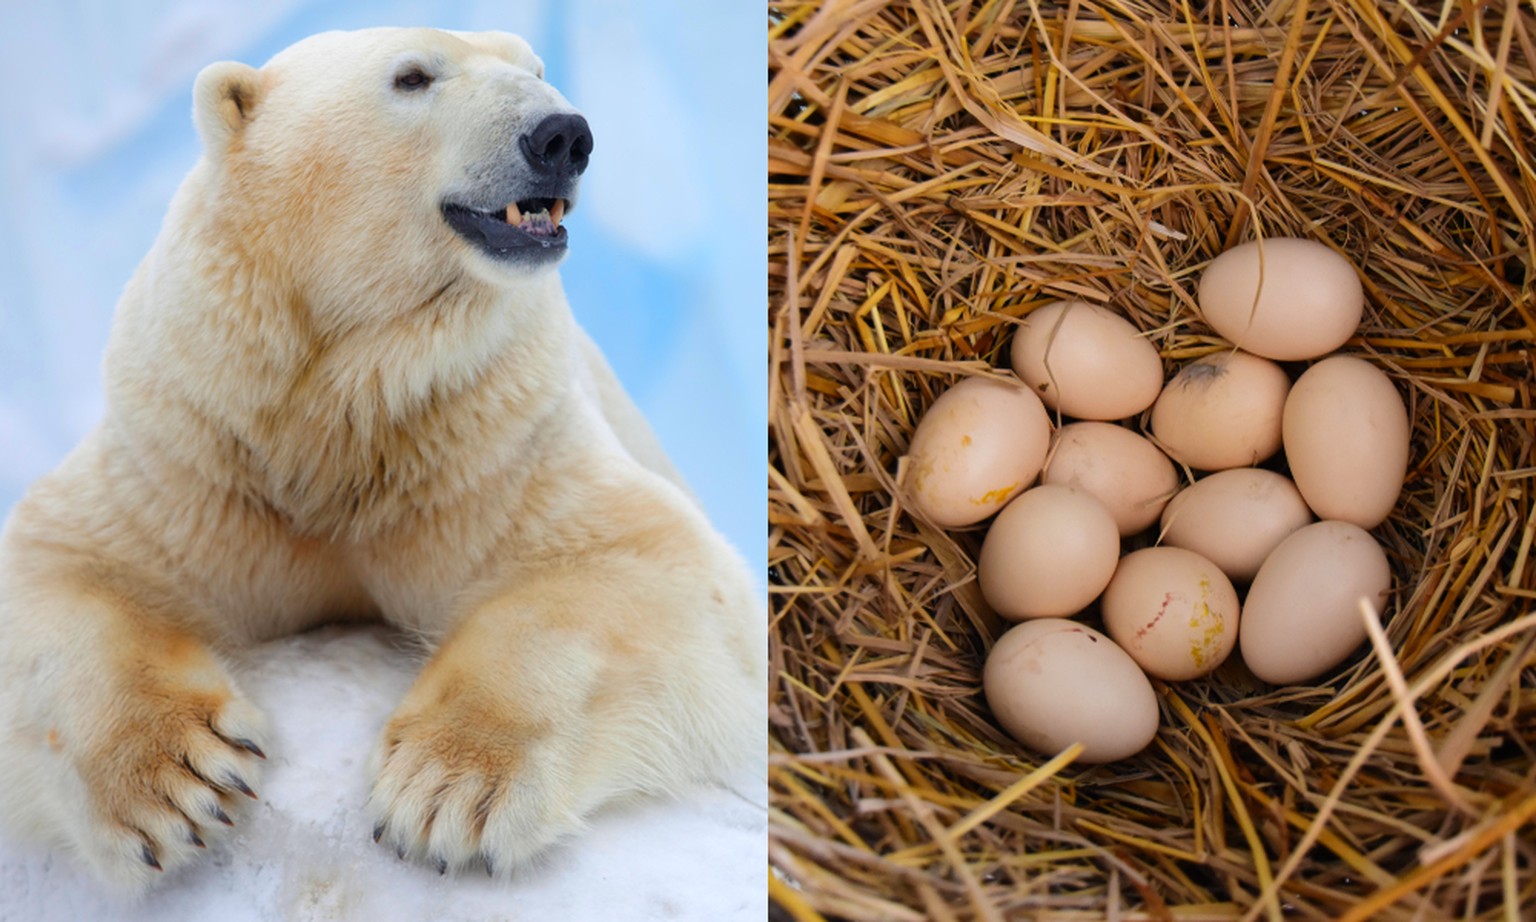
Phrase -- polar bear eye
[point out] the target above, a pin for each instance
(413, 79)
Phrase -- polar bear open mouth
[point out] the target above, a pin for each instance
(531, 224)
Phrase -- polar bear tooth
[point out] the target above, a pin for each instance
(514, 216)
(557, 211)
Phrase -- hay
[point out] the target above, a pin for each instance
(938, 170)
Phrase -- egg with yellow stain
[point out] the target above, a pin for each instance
(1048, 555)
(978, 446)
(1173, 611)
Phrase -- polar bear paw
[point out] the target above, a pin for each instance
(462, 787)
(162, 782)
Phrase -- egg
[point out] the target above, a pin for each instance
(1302, 615)
(1114, 465)
(1282, 298)
(1222, 411)
(978, 446)
(1087, 361)
(1173, 611)
(1235, 518)
(1049, 553)
(1053, 682)
(1346, 438)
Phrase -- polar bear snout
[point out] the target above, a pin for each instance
(523, 227)
(558, 147)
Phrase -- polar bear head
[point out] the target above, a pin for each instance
(358, 164)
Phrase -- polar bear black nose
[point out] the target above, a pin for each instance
(558, 146)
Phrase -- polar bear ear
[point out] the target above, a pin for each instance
(224, 101)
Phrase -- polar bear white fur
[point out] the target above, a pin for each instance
(345, 384)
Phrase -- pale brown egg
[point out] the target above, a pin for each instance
(1309, 304)
(1119, 468)
(1346, 438)
(1302, 615)
(1087, 361)
(1222, 411)
(1048, 554)
(1235, 518)
(978, 446)
(1173, 611)
(1053, 682)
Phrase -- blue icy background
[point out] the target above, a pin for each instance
(666, 271)
(666, 263)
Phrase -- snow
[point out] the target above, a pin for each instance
(305, 850)
(665, 271)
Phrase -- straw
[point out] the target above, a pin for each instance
(939, 170)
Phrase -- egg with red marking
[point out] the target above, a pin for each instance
(1173, 611)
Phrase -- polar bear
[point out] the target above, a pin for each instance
(345, 384)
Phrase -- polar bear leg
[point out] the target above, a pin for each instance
(121, 737)
(589, 681)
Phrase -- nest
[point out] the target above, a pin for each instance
(938, 170)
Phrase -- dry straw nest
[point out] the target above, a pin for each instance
(938, 170)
